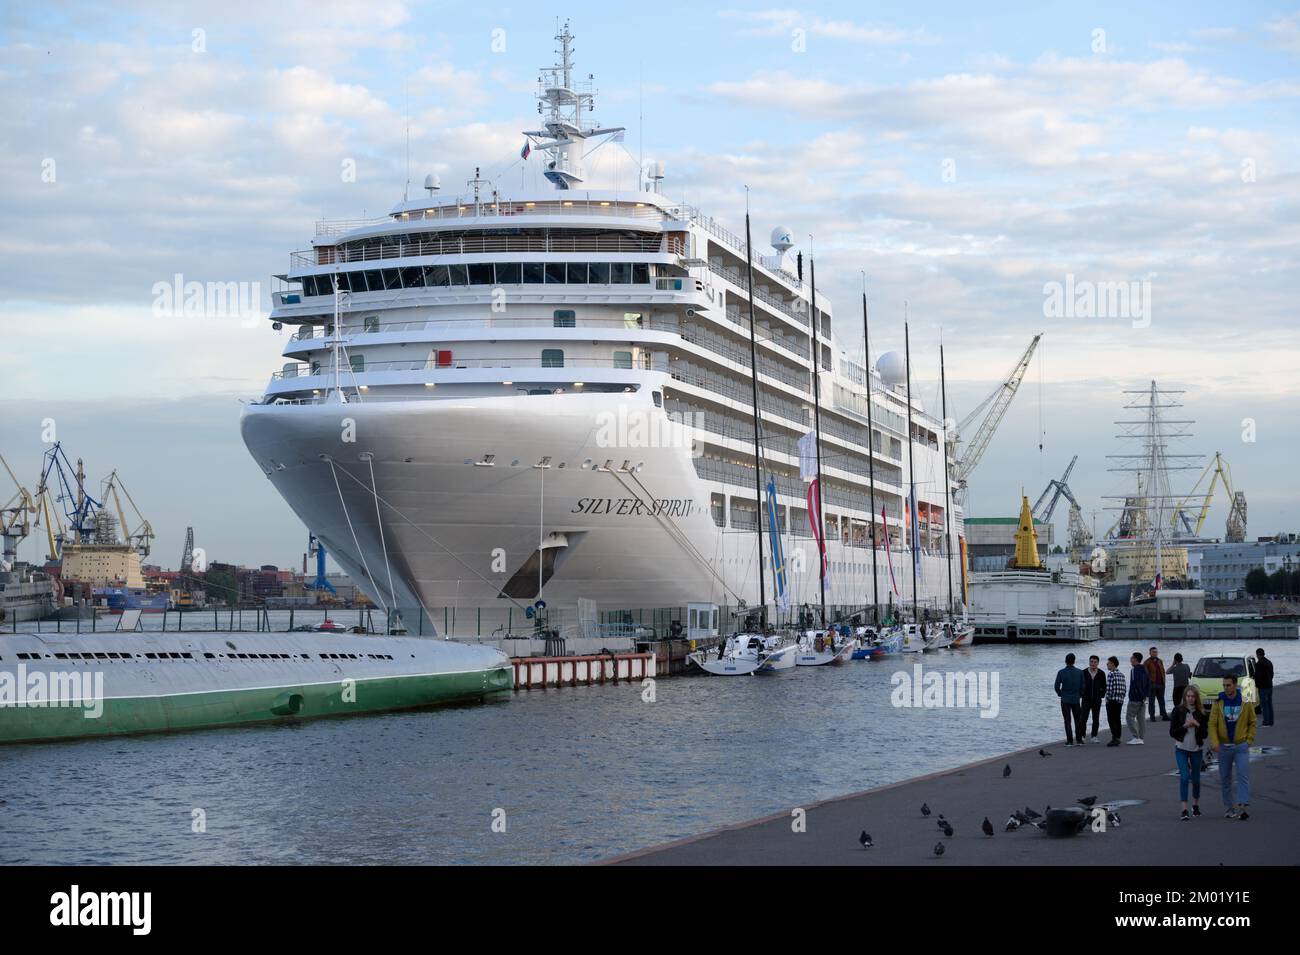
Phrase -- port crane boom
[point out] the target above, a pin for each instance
(996, 404)
(1217, 470)
(142, 537)
(15, 518)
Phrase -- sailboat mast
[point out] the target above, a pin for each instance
(913, 512)
(817, 435)
(947, 500)
(753, 367)
(871, 459)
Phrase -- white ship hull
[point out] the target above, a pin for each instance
(455, 533)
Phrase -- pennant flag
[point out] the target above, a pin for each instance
(965, 583)
(1156, 583)
(889, 557)
(808, 457)
(819, 532)
(778, 556)
(526, 151)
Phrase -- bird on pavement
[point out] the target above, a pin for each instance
(864, 840)
(1006, 770)
(938, 848)
(1044, 753)
(925, 809)
(987, 827)
(947, 830)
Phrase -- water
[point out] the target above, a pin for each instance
(581, 773)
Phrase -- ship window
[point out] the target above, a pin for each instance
(622, 359)
(577, 273)
(435, 276)
(374, 281)
(372, 323)
(315, 368)
(620, 273)
(412, 277)
(392, 278)
(459, 274)
(208, 656)
(598, 273)
(344, 280)
(358, 363)
(640, 273)
(658, 398)
(534, 273)
(508, 273)
(555, 273)
(552, 358)
(565, 318)
(480, 273)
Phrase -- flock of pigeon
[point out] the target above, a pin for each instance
(1015, 821)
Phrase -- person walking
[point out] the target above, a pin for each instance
(1139, 689)
(1264, 683)
(1232, 730)
(1115, 693)
(1156, 673)
(1094, 694)
(1180, 674)
(1189, 726)
(1069, 687)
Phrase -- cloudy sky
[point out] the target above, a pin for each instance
(965, 162)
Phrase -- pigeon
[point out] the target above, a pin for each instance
(987, 827)
(1033, 815)
(1044, 753)
(938, 848)
(1087, 801)
(864, 840)
(947, 830)
(1020, 817)
(925, 810)
(1112, 818)
(1012, 824)
(1006, 770)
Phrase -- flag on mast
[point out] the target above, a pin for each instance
(814, 514)
(526, 151)
(889, 557)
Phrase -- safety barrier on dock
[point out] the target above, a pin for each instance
(541, 672)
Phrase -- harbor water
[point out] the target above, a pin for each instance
(570, 775)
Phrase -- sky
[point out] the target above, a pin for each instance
(962, 164)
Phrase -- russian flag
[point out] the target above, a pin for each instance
(526, 151)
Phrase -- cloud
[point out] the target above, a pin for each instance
(782, 22)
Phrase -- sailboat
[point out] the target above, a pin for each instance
(746, 653)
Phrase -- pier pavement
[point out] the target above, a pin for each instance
(1150, 832)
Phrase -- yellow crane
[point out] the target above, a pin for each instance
(15, 517)
(142, 537)
(1217, 470)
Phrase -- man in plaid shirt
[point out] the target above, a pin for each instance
(1116, 690)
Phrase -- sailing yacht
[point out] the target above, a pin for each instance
(495, 401)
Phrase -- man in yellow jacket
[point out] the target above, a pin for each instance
(1232, 730)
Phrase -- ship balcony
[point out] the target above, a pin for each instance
(478, 244)
(362, 380)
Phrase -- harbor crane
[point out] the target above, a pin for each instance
(1080, 535)
(1235, 529)
(15, 519)
(142, 537)
(992, 409)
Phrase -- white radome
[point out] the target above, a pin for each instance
(782, 239)
(891, 368)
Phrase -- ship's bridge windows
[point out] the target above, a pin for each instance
(620, 273)
(508, 273)
(459, 274)
(552, 357)
(436, 276)
(480, 273)
(577, 273)
(534, 273)
(565, 318)
(598, 273)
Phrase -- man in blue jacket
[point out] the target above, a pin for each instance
(1069, 687)
(1139, 688)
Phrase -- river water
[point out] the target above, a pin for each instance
(572, 775)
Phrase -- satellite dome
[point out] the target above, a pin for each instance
(781, 239)
(891, 368)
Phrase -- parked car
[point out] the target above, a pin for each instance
(1209, 672)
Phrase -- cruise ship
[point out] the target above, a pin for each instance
(495, 402)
